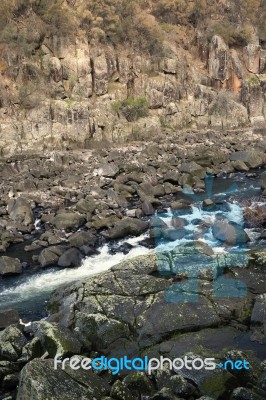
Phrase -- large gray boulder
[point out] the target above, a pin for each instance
(86, 206)
(229, 233)
(110, 170)
(79, 239)
(55, 339)
(50, 256)
(71, 258)
(253, 159)
(68, 220)
(127, 227)
(193, 169)
(20, 210)
(12, 342)
(10, 266)
(40, 381)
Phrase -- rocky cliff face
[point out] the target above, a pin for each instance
(197, 86)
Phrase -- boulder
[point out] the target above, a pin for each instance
(239, 165)
(229, 233)
(20, 210)
(139, 382)
(12, 341)
(147, 188)
(208, 205)
(100, 221)
(175, 234)
(193, 169)
(108, 170)
(10, 266)
(56, 339)
(100, 330)
(158, 226)
(85, 206)
(181, 207)
(68, 221)
(147, 208)
(172, 177)
(178, 222)
(169, 188)
(31, 350)
(253, 159)
(50, 256)
(120, 391)
(71, 258)
(127, 227)
(214, 383)
(40, 381)
(79, 239)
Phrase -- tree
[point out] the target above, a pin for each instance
(132, 109)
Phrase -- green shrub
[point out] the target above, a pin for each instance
(131, 108)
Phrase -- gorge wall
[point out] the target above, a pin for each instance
(195, 85)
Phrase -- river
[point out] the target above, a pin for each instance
(29, 292)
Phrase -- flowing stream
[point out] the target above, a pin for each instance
(28, 293)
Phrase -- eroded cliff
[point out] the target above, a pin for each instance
(68, 91)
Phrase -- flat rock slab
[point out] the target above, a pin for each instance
(129, 307)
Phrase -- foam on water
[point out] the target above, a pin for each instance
(235, 214)
(37, 224)
(46, 282)
(200, 232)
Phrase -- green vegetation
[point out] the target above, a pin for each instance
(252, 80)
(131, 108)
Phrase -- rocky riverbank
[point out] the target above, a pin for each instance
(61, 207)
(64, 205)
